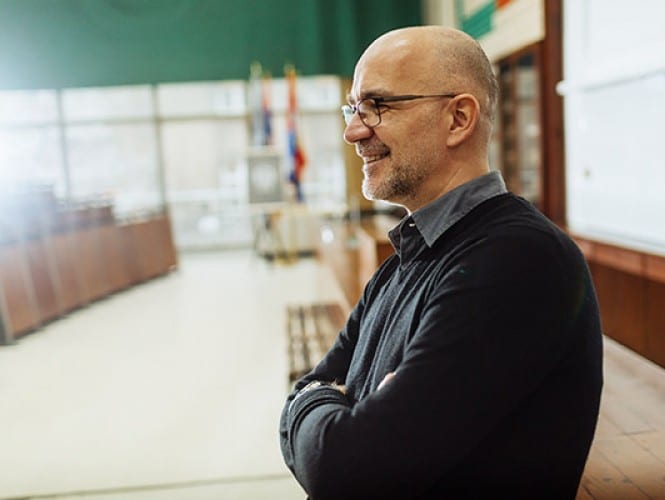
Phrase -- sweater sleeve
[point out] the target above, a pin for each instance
(332, 368)
(492, 327)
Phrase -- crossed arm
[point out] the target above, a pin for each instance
(473, 359)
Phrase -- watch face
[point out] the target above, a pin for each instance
(311, 385)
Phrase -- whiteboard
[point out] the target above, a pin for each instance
(615, 122)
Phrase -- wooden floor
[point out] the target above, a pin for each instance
(627, 458)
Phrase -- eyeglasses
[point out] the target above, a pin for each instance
(369, 109)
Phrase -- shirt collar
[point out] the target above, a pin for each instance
(434, 219)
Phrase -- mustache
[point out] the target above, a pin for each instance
(369, 149)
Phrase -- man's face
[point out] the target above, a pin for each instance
(405, 149)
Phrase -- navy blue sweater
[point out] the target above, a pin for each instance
(494, 334)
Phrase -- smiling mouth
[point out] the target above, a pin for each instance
(367, 159)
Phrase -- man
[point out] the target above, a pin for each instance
(471, 366)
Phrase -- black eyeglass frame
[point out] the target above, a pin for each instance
(348, 110)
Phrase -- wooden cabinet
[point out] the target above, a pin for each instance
(72, 288)
(92, 263)
(19, 306)
(82, 258)
(44, 277)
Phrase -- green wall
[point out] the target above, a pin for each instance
(72, 43)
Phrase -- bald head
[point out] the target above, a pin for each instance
(439, 59)
(420, 114)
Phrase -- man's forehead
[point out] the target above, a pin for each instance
(379, 76)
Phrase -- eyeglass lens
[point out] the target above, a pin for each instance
(367, 110)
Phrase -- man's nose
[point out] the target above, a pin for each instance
(356, 130)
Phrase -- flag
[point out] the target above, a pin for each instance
(267, 109)
(255, 99)
(296, 154)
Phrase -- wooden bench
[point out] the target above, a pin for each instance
(311, 330)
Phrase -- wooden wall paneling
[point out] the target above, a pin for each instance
(6, 336)
(137, 229)
(130, 248)
(92, 263)
(149, 253)
(158, 250)
(622, 300)
(72, 223)
(655, 322)
(630, 286)
(21, 311)
(586, 247)
(172, 254)
(162, 253)
(622, 259)
(655, 267)
(142, 240)
(70, 255)
(45, 277)
(630, 305)
(72, 290)
(166, 243)
(115, 257)
(605, 283)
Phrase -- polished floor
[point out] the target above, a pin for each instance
(169, 390)
(627, 458)
(172, 391)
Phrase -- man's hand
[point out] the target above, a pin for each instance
(340, 388)
(385, 380)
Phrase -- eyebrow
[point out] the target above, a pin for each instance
(368, 95)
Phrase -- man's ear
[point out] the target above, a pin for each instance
(465, 112)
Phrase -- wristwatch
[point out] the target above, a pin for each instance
(312, 385)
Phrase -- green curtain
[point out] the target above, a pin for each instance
(73, 43)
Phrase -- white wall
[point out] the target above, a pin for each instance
(185, 144)
(614, 98)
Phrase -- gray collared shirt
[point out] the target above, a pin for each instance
(436, 218)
